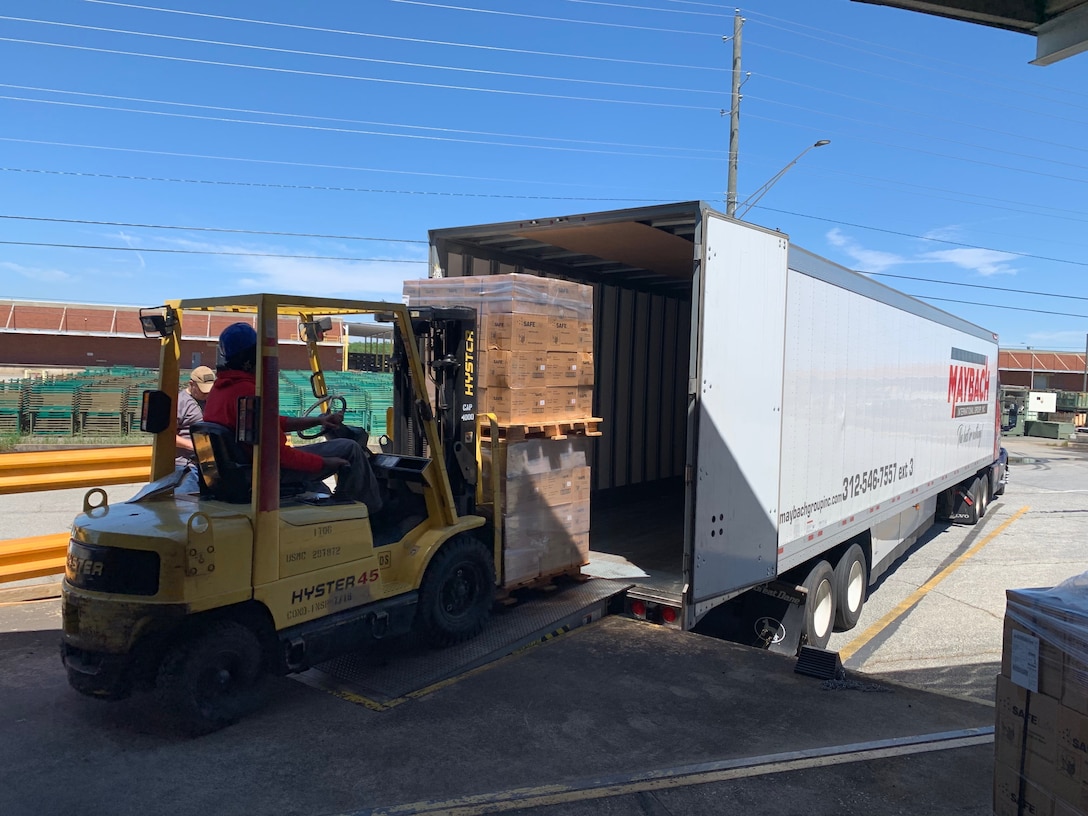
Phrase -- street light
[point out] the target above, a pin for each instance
(750, 202)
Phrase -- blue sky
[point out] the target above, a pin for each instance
(208, 139)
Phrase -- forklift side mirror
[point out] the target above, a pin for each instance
(155, 411)
(315, 331)
(158, 321)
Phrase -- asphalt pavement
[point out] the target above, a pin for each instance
(615, 717)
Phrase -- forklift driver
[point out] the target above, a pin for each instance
(236, 361)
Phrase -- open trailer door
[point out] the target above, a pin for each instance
(740, 309)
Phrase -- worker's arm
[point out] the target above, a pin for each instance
(326, 421)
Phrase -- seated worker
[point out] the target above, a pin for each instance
(236, 361)
(191, 410)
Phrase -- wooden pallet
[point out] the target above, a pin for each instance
(558, 429)
(546, 582)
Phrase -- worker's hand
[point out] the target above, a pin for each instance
(335, 462)
(331, 420)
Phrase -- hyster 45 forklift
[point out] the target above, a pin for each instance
(202, 595)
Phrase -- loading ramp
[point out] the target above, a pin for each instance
(390, 673)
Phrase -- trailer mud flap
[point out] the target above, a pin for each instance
(770, 616)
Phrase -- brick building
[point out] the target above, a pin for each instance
(42, 336)
(1043, 370)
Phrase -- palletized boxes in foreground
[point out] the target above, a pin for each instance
(534, 368)
(1041, 706)
(545, 486)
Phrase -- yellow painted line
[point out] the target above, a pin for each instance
(908, 603)
(626, 784)
(377, 705)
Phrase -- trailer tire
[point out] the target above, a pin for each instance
(851, 586)
(977, 506)
(213, 679)
(819, 604)
(457, 592)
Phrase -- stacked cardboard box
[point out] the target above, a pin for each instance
(535, 343)
(1041, 734)
(534, 368)
(545, 486)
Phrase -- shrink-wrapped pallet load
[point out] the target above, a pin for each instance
(535, 376)
(1041, 731)
(535, 343)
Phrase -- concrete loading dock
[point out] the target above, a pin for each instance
(615, 699)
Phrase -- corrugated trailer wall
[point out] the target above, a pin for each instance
(641, 361)
(640, 350)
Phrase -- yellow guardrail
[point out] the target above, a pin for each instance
(27, 472)
(36, 557)
(31, 471)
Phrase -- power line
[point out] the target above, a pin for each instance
(351, 131)
(328, 188)
(429, 128)
(418, 40)
(209, 229)
(995, 306)
(556, 19)
(353, 58)
(929, 238)
(282, 163)
(330, 75)
(883, 50)
(209, 252)
(532, 197)
(925, 135)
(917, 113)
(971, 285)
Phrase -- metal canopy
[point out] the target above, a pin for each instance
(649, 249)
(1060, 26)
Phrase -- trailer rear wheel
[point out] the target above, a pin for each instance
(819, 604)
(457, 592)
(851, 584)
(213, 679)
(983, 495)
(978, 504)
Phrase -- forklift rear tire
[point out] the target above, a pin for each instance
(820, 604)
(457, 592)
(213, 679)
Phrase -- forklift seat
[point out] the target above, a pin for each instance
(225, 468)
(226, 472)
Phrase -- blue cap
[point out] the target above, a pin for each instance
(235, 339)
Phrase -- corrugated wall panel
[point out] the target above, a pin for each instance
(640, 348)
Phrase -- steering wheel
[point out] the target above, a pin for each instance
(332, 400)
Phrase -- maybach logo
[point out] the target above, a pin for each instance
(968, 383)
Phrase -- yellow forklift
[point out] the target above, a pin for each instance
(200, 596)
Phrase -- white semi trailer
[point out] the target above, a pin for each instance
(778, 429)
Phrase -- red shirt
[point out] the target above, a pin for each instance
(222, 409)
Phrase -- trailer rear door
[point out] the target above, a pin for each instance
(740, 309)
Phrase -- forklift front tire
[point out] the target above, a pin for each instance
(457, 592)
(213, 679)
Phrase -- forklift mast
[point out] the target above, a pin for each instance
(446, 336)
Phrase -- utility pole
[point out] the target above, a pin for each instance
(1084, 386)
(734, 119)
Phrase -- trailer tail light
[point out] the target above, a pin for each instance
(638, 609)
(669, 615)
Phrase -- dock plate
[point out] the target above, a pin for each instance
(389, 673)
